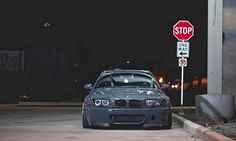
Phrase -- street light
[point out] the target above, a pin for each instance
(48, 28)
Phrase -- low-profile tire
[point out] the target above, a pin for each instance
(85, 122)
(169, 121)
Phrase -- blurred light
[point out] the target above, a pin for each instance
(175, 86)
(75, 65)
(186, 86)
(127, 62)
(195, 84)
(160, 80)
(204, 82)
(46, 24)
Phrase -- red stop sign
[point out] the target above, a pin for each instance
(183, 30)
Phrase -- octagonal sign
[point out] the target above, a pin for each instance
(183, 30)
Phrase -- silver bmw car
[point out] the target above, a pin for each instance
(126, 97)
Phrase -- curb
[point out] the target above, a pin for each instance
(199, 131)
(7, 105)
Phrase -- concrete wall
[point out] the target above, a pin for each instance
(229, 48)
(214, 55)
(219, 103)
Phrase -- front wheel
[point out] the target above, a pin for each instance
(169, 121)
(85, 122)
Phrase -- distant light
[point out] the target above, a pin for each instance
(46, 24)
(127, 62)
(175, 86)
(160, 80)
(76, 65)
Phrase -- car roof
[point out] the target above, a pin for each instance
(126, 70)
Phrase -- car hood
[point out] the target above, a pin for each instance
(127, 93)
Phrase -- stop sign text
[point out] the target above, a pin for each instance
(183, 30)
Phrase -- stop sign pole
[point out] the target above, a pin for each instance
(183, 30)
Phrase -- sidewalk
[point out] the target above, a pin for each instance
(77, 104)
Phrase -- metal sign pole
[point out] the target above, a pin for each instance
(182, 88)
(183, 49)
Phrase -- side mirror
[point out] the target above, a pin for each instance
(165, 86)
(88, 86)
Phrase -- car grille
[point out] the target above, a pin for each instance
(120, 103)
(127, 118)
(128, 103)
(135, 103)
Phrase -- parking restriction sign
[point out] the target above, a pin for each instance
(182, 62)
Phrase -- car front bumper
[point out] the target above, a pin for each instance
(146, 117)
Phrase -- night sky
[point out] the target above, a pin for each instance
(113, 31)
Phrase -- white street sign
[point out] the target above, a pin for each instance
(183, 49)
(182, 62)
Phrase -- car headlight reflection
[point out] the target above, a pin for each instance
(101, 102)
(153, 102)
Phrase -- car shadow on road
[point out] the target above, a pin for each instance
(128, 127)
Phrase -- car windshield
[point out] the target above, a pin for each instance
(126, 80)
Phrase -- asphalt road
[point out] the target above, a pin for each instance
(64, 124)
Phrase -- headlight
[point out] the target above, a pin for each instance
(97, 102)
(153, 102)
(105, 102)
(101, 102)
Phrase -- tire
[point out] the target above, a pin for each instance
(169, 121)
(85, 122)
